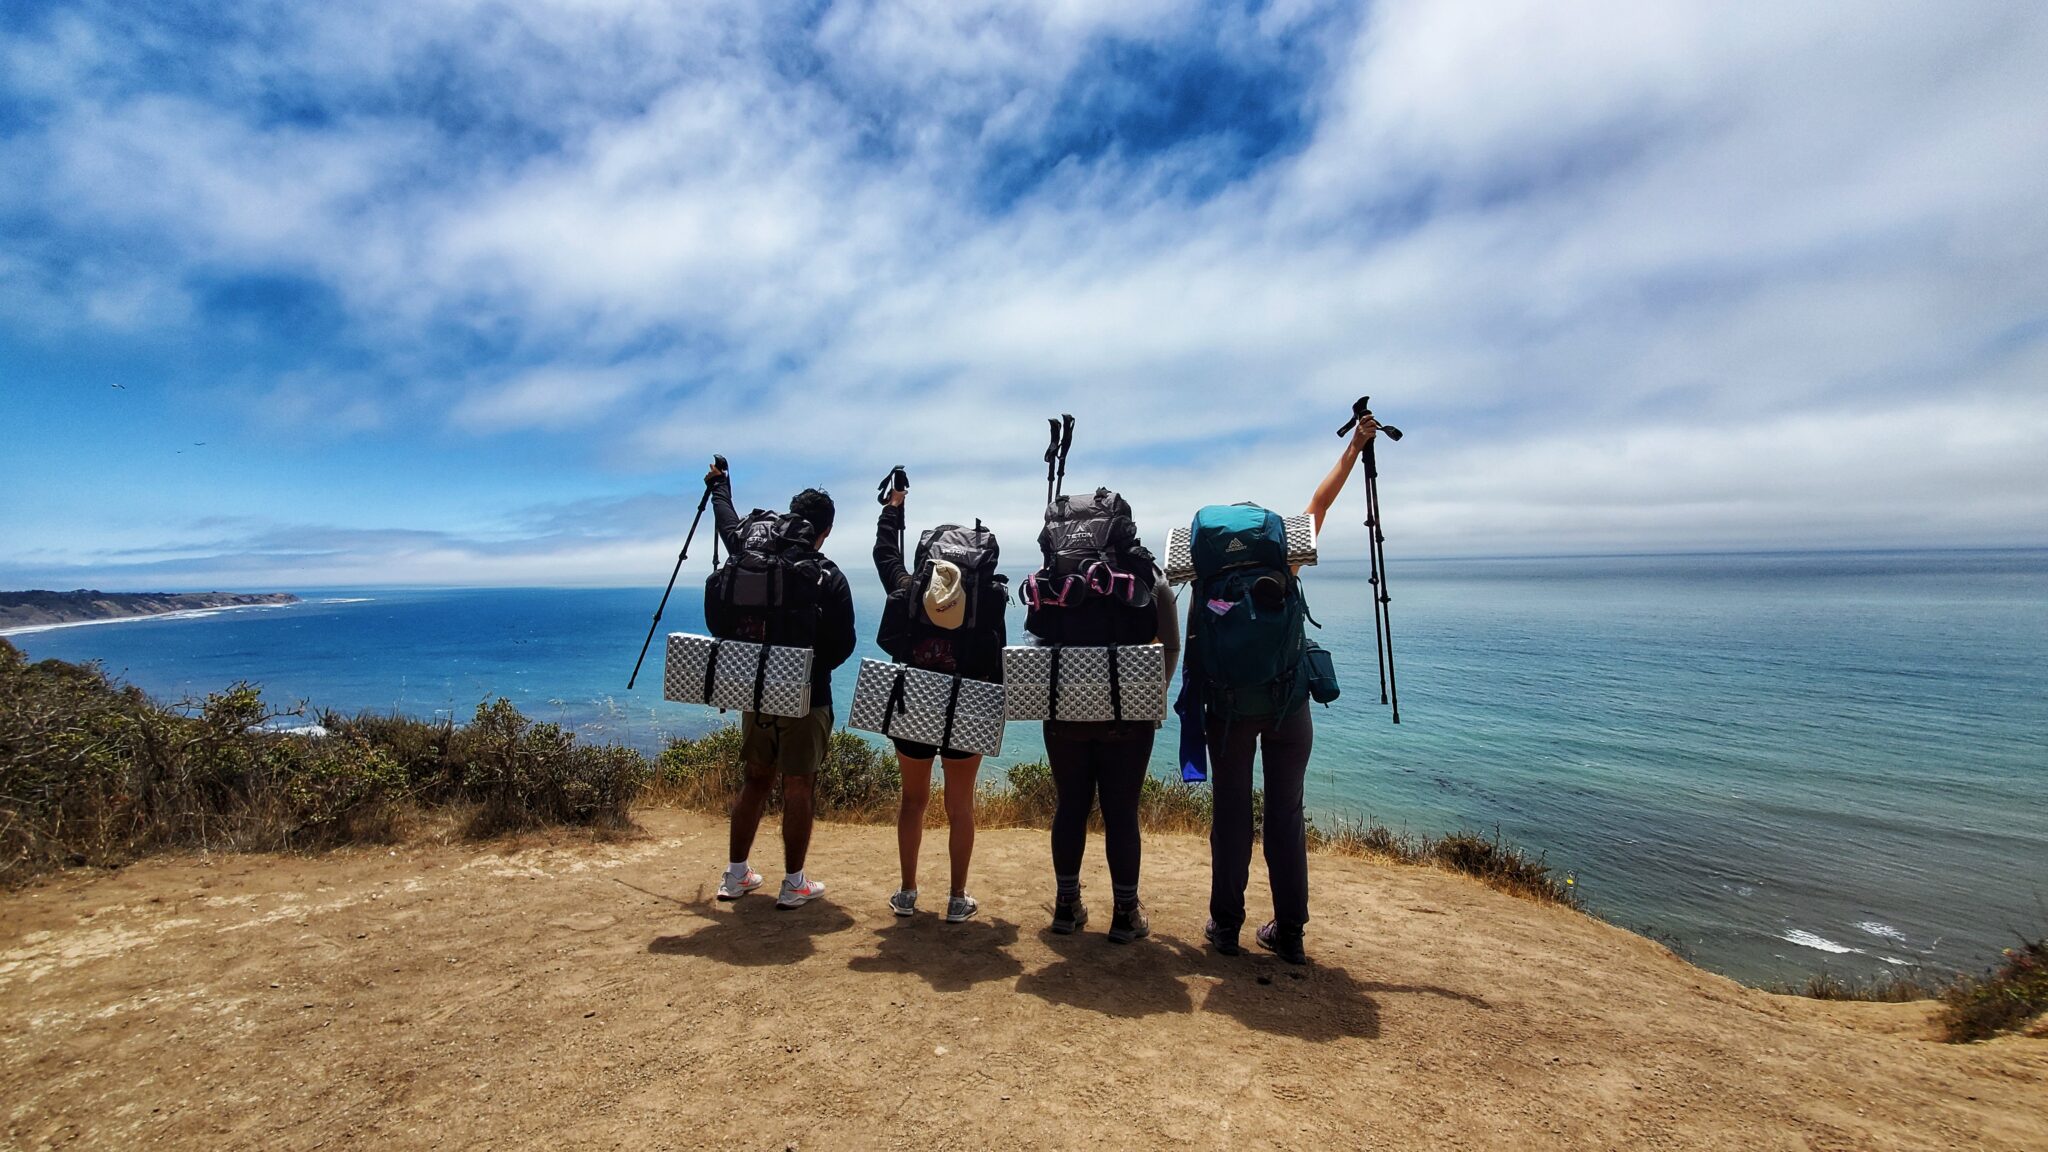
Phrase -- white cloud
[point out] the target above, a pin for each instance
(1587, 252)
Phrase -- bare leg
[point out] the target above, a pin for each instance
(797, 809)
(917, 794)
(960, 817)
(746, 809)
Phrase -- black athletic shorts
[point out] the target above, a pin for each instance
(916, 751)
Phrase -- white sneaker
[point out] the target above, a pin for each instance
(793, 897)
(731, 887)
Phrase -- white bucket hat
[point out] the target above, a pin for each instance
(945, 602)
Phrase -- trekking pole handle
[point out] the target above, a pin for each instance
(896, 481)
(1359, 411)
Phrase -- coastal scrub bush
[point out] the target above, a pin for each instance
(533, 774)
(93, 772)
(1492, 861)
(2002, 1000)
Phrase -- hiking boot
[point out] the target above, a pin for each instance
(1224, 942)
(904, 902)
(1128, 924)
(793, 897)
(1282, 942)
(961, 907)
(1068, 917)
(731, 887)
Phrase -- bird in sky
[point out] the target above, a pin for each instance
(122, 387)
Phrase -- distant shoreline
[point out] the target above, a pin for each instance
(41, 611)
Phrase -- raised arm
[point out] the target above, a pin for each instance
(722, 510)
(888, 554)
(1326, 492)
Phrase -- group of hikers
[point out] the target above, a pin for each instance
(1100, 587)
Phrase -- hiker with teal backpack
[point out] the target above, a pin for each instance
(944, 613)
(1250, 674)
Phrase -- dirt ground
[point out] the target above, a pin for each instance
(580, 994)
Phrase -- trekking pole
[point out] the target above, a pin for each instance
(1066, 443)
(896, 481)
(1052, 453)
(719, 463)
(1376, 552)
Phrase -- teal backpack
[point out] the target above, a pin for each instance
(1245, 615)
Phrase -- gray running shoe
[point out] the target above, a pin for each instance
(960, 908)
(904, 902)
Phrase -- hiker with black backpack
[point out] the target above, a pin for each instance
(777, 588)
(1250, 675)
(1099, 588)
(943, 614)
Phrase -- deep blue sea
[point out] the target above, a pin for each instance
(1775, 763)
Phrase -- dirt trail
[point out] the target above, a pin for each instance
(594, 995)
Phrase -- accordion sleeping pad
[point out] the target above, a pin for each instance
(737, 676)
(1085, 684)
(929, 707)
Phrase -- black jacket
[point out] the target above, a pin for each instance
(835, 636)
(909, 639)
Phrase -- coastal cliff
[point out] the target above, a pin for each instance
(38, 608)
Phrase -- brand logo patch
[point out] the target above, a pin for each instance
(1235, 546)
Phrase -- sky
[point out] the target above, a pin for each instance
(466, 292)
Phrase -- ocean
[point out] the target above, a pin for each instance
(1776, 764)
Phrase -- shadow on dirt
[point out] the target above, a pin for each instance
(949, 957)
(1143, 978)
(754, 932)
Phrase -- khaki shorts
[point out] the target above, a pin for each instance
(792, 745)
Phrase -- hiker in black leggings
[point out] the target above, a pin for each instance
(1107, 759)
(1285, 742)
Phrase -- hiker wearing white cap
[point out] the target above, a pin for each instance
(944, 614)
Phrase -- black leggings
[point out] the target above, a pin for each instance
(1286, 743)
(1087, 758)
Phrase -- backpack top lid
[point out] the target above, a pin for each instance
(1097, 525)
(972, 550)
(1227, 536)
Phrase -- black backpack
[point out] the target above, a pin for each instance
(1095, 588)
(768, 590)
(974, 649)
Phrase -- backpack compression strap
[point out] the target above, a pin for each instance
(760, 677)
(1116, 685)
(895, 706)
(952, 705)
(1052, 687)
(711, 670)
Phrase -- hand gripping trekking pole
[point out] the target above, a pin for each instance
(896, 481)
(719, 463)
(1376, 549)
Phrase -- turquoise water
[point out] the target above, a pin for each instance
(1777, 764)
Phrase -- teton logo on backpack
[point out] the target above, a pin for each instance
(766, 592)
(1250, 641)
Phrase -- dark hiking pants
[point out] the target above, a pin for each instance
(1106, 759)
(1284, 743)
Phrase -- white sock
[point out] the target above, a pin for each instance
(794, 880)
(738, 868)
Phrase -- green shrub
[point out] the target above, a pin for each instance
(531, 774)
(2002, 1000)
